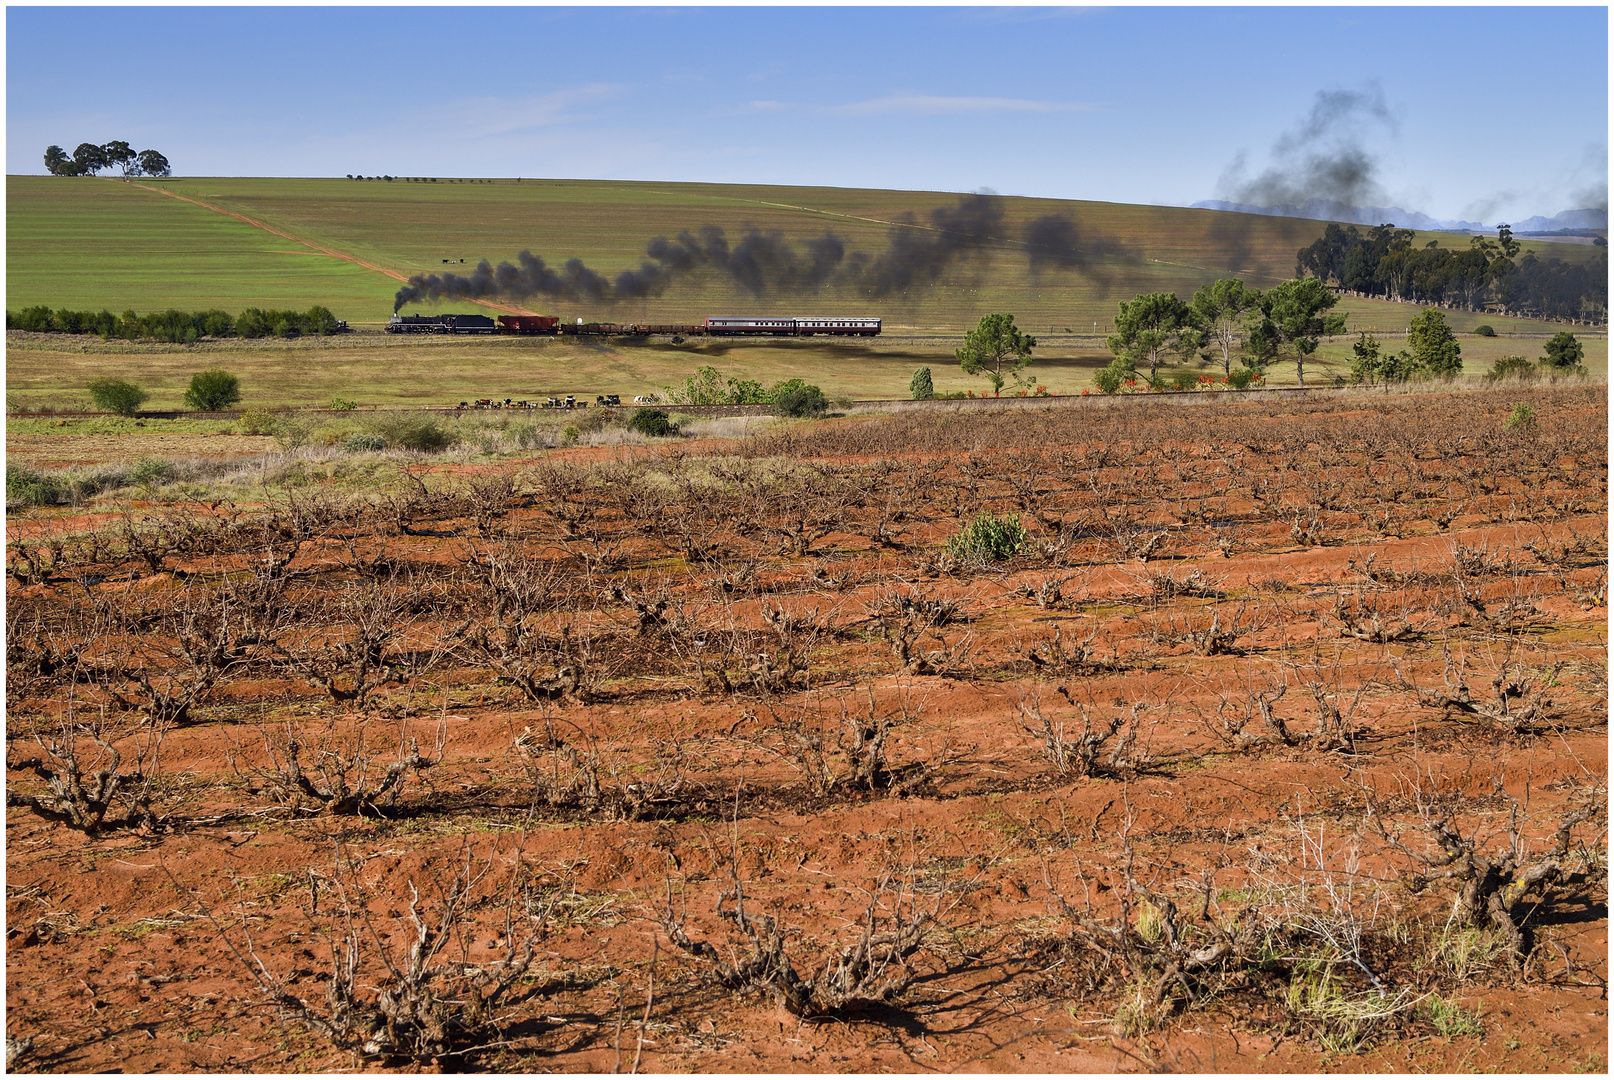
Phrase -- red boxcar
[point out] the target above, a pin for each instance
(529, 324)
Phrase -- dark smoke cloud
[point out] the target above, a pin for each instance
(1321, 159)
(1056, 242)
(531, 278)
(764, 264)
(917, 258)
(760, 263)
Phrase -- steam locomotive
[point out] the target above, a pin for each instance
(714, 326)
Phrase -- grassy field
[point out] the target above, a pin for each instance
(105, 243)
(376, 369)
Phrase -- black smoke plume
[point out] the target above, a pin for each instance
(917, 258)
(761, 264)
(1321, 160)
(530, 279)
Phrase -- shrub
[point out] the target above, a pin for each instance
(291, 430)
(258, 323)
(988, 538)
(800, 401)
(257, 422)
(708, 387)
(526, 436)
(1241, 378)
(172, 325)
(117, 395)
(411, 431)
(29, 487)
(36, 319)
(652, 422)
(363, 441)
(213, 390)
(1485, 330)
(1516, 367)
(1110, 379)
(1563, 352)
(342, 404)
(921, 387)
(151, 470)
(1183, 379)
(1521, 418)
(569, 435)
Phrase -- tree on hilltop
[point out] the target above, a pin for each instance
(89, 158)
(153, 164)
(118, 153)
(57, 163)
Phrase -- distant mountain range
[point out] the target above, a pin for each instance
(1569, 219)
(1333, 210)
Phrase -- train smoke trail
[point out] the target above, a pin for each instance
(1320, 164)
(761, 264)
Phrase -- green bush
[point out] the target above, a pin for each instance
(342, 404)
(1110, 379)
(800, 401)
(1241, 378)
(151, 470)
(29, 487)
(1521, 418)
(257, 422)
(172, 325)
(363, 441)
(1516, 367)
(213, 390)
(36, 319)
(411, 431)
(921, 387)
(652, 422)
(261, 323)
(1183, 379)
(1563, 352)
(988, 538)
(708, 387)
(117, 395)
(1485, 330)
(569, 435)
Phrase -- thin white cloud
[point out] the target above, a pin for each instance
(486, 116)
(935, 105)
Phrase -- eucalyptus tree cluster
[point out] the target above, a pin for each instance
(89, 159)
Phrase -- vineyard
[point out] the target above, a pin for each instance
(1192, 735)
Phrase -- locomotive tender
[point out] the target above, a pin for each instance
(714, 326)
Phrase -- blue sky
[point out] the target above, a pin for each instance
(1485, 113)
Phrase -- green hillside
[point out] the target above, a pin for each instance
(93, 243)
